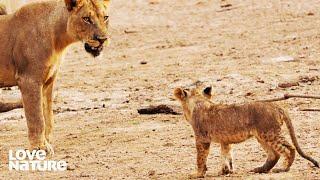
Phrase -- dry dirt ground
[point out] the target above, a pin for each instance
(233, 48)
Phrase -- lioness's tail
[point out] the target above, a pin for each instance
(3, 10)
(287, 120)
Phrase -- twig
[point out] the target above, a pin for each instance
(161, 109)
(226, 9)
(288, 96)
(314, 110)
(130, 31)
(5, 107)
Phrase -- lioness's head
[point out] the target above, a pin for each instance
(188, 98)
(88, 22)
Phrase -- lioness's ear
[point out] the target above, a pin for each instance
(207, 92)
(70, 4)
(180, 94)
(106, 2)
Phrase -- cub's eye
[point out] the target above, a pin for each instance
(106, 18)
(87, 20)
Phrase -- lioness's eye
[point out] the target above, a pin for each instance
(106, 18)
(87, 20)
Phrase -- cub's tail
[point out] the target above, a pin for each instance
(3, 9)
(288, 122)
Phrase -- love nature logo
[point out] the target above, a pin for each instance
(25, 160)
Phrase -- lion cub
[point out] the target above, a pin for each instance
(231, 124)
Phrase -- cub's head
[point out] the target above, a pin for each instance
(188, 98)
(3, 10)
(88, 22)
(184, 95)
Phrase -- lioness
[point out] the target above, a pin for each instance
(230, 124)
(32, 42)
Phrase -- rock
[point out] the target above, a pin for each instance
(129, 31)
(288, 84)
(143, 62)
(283, 59)
(71, 167)
(279, 59)
(249, 94)
(310, 14)
(168, 145)
(153, 2)
(151, 173)
(260, 81)
(308, 79)
(225, 5)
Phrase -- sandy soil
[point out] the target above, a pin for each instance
(183, 41)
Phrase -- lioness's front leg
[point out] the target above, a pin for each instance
(47, 106)
(31, 91)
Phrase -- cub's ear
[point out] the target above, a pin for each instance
(207, 92)
(71, 4)
(180, 94)
(106, 2)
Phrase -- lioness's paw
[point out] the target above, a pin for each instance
(46, 147)
(49, 149)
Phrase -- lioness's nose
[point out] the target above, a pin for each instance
(101, 39)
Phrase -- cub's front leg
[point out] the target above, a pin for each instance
(226, 159)
(202, 155)
(32, 98)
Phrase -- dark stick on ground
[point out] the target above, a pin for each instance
(161, 109)
(308, 109)
(5, 107)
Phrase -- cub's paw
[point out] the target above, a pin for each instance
(225, 171)
(280, 170)
(259, 170)
(196, 176)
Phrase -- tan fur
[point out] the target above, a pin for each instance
(32, 41)
(3, 10)
(230, 124)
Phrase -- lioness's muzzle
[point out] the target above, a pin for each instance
(94, 51)
(101, 39)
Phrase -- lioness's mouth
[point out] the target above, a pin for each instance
(94, 51)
